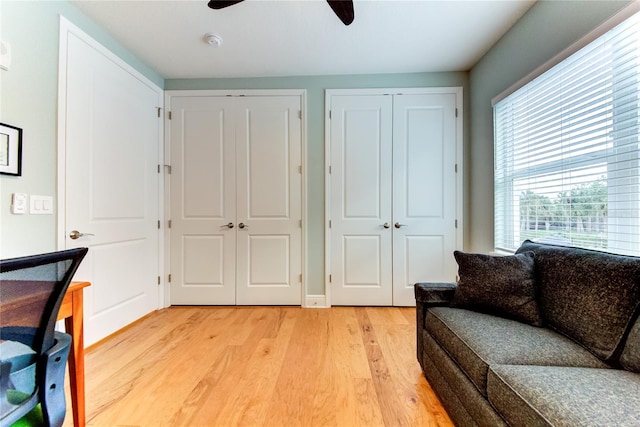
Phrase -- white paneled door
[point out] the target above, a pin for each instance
(236, 186)
(269, 200)
(203, 201)
(393, 195)
(424, 192)
(361, 218)
(110, 184)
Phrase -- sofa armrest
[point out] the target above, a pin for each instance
(432, 294)
(429, 295)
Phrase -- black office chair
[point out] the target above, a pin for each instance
(32, 354)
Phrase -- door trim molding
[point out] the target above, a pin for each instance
(66, 28)
(307, 300)
(457, 91)
(233, 92)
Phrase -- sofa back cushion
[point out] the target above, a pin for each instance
(630, 357)
(589, 296)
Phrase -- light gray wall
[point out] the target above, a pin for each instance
(28, 100)
(544, 31)
(315, 87)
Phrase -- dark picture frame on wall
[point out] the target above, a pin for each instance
(10, 150)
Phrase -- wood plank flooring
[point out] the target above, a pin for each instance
(262, 366)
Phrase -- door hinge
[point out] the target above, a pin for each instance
(456, 112)
(169, 223)
(329, 278)
(169, 278)
(300, 223)
(329, 169)
(300, 278)
(158, 280)
(158, 168)
(159, 111)
(158, 224)
(169, 114)
(456, 168)
(329, 223)
(456, 223)
(329, 114)
(300, 114)
(299, 169)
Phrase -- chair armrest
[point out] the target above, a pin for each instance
(432, 294)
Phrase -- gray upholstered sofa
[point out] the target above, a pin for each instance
(547, 337)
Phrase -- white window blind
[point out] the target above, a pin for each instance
(567, 150)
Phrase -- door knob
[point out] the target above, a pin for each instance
(398, 225)
(75, 234)
(230, 225)
(242, 225)
(386, 225)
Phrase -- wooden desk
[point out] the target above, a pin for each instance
(71, 311)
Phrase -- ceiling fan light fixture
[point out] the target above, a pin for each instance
(212, 39)
(342, 8)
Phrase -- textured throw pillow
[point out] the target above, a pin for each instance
(500, 285)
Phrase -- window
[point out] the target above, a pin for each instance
(567, 150)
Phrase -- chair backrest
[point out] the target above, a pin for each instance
(31, 291)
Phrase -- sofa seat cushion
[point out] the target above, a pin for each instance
(559, 396)
(477, 340)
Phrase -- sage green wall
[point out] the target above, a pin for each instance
(28, 99)
(544, 31)
(315, 87)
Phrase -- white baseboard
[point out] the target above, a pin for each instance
(315, 301)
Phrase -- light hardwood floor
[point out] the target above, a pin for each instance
(262, 366)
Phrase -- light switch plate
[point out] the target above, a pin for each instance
(41, 205)
(5, 55)
(19, 203)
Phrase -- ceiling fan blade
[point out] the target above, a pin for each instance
(344, 10)
(220, 4)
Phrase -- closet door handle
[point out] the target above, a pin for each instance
(75, 234)
(398, 225)
(229, 226)
(242, 225)
(386, 225)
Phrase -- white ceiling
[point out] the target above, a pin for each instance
(304, 37)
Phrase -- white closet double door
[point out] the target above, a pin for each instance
(394, 191)
(236, 188)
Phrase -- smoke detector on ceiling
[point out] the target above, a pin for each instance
(213, 39)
